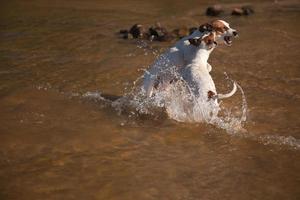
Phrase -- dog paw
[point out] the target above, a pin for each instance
(211, 94)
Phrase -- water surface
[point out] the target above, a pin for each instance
(57, 142)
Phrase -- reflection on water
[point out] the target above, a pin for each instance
(62, 139)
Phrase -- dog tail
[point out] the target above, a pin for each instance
(224, 96)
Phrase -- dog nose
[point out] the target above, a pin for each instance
(234, 33)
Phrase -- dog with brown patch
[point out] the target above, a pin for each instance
(178, 56)
(196, 73)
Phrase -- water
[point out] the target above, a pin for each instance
(66, 134)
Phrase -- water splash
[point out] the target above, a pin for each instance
(179, 103)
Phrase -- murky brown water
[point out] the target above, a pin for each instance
(56, 145)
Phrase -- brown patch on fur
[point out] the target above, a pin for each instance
(210, 94)
(219, 27)
(209, 40)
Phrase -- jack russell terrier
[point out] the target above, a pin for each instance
(196, 74)
(179, 56)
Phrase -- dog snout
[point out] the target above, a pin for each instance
(235, 33)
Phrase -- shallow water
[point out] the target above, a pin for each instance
(60, 140)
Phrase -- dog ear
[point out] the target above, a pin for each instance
(195, 42)
(206, 27)
(210, 40)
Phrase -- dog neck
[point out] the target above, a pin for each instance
(201, 58)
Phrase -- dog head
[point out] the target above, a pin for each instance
(222, 29)
(207, 41)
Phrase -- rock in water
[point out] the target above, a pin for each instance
(137, 31)
(244, 10)
(214, 10)
(181, 32)
(248, 10)
(159, 33)
(237, 11)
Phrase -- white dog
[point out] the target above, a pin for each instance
(179, 55)
(196, 74)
